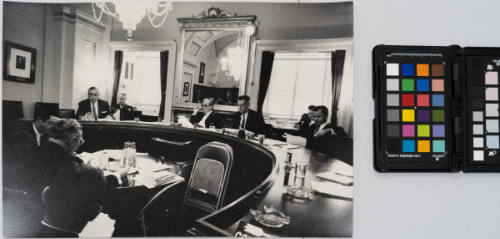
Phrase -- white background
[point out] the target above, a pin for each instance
(419, 205)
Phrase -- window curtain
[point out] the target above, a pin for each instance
(338, 58)
(163, 78)
(265, 76)
(118, 71)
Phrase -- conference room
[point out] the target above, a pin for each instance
(177, 119)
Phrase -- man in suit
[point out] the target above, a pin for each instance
(306, 121)
(22, 145)
(65, 136)
(73, 198)
(320, 134)
(248, 119)
(125, 110)
(92, 108)
(206, 117)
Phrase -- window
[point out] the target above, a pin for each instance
(142, 86)
(297, 81)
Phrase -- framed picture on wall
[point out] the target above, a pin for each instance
(19, 63)
(185, 91)
(202, 73)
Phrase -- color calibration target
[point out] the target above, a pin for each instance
(484, 112)
(415, 108)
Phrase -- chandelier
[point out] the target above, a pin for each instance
(130, 13)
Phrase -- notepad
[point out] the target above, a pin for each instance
(155, 179)
(334, 177)
(332, 189)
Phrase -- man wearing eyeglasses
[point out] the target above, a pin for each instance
(206, 117)
(92, 108)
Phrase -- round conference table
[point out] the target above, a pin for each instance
(256, 179)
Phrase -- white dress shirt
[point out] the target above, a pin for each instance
(244, 118)
(96, 108)
(202, 121)
(37, 134)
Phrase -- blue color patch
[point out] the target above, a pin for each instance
(407, 69)
(423, 85)
(437, 100)
(408, 146)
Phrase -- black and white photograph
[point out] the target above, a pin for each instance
(177, 119)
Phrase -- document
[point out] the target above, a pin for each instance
(184, 121)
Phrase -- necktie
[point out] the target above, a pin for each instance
(93, 111)
(243, 121)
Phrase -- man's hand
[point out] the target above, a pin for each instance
(196, 109)
(324, 132)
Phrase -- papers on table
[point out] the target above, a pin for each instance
(102, 226)
(336, 178)
(332, 189)
(86, 157)
(155, 179)
(296, 140)
(184, 121)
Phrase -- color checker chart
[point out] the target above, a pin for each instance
(420, 129)
(436, 108)
(482, 86)
(412, 100)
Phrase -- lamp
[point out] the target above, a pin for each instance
(130, 13)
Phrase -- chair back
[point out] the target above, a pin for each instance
(42, 108)
(12, 110)
(67, 113)
(209, 178)
(159, 216)
(171, 150)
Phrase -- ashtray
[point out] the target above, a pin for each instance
(298, 192)
(270, 217)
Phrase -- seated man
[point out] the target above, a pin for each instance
(24, 143)
(206, 117)
(248, 119)
(92, 108)
(306, 121)
(65, 136)
(125, 110)
(320, 134)
(72, 199)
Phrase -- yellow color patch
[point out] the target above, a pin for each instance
(408, 115)
(422, 69)
(424, 146)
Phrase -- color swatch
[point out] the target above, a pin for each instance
(484, 111)
(415, 107)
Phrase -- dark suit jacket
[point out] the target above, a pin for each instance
(213, 118)
(255, 122)
(84, 107)
(125, 111)
(38, 174)
(47, 232)
(20, 148)
(322, 143)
